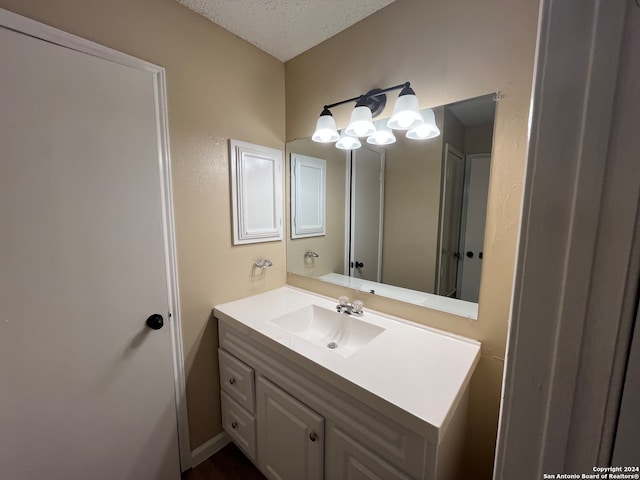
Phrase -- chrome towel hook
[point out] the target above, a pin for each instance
(311, 254)
(264, 263)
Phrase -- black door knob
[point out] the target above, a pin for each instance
(155, 321)
(470, 254)
(359, 264)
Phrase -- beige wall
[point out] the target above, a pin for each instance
(219, 87)
(329, 247)
(449, 50)
(411, 211)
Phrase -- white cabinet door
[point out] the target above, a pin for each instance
(347, 459)
(290, 435)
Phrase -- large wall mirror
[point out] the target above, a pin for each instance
(405, 220)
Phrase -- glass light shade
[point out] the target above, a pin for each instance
(382, 136)
(406, 113)
(347, 142)
(428, 129)
(361, 124)
(325, 129)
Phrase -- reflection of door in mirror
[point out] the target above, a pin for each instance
(365, 214)
(473, 221)
(451, 208)
(308, 190)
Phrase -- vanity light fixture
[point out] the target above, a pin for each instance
(325, 128)
(428, 129)
(406, 113)
(406, 116)
(361, 124)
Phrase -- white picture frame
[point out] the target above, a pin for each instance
(308, 196)
(256, 192)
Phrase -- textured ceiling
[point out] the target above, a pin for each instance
(285, 28)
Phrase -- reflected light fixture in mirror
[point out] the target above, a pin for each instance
(406, 116)
(347, 142)
(382, 136)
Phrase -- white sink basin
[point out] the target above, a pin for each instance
(339, 332)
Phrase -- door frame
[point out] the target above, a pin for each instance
(576, 280)
(463, 215)
(32, 28)
(449, 148)
(350, 180)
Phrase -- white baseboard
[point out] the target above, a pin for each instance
(208, 448)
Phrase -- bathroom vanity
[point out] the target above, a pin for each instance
(309, 393)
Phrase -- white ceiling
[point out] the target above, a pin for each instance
(285, 28)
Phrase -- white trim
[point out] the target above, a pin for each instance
(383, 165)
(243, 196)
(575, 251)
(180, 383)
(52, 35)
(443, 193)
(463, 218)
(350, 220)
(347, 213)
(209, 448)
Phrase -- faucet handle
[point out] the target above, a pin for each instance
(343, 301)
(358, 307)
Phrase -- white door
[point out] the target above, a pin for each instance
(472, 237)
(290, 435)
(366, 213)
(450, 214)
(87, 388)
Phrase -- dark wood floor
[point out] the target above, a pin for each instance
(227, 464)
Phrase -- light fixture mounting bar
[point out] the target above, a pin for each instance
(371, 94)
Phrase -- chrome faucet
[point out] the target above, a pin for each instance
(355, 308)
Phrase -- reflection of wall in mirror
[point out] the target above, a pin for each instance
(330, 247)
(412, 199)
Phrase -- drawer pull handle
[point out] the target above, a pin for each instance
(232, 381)
(234, 425)
(313, 436)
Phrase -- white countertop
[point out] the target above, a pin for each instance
(420, 370)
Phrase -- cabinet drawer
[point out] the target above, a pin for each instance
(240, 425)
(237, 379)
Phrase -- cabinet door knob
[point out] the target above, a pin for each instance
(234, 425)
(313, 436)
(232, 381)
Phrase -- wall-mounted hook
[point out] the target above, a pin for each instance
(264, 263)
(311, 254)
